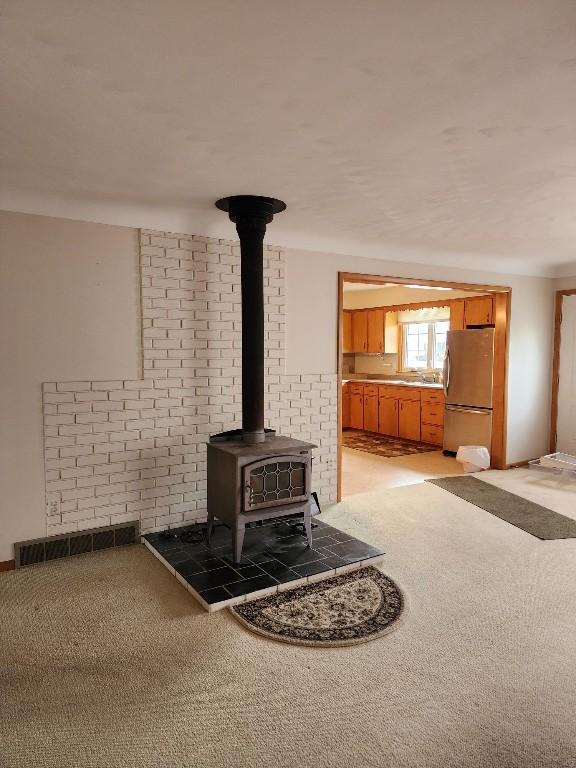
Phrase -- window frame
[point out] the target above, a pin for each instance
(428, 368)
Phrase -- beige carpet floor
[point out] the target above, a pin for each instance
(105, 661)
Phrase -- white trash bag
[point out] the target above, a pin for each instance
(474, 458)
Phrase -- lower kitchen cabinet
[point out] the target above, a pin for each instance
(371, 413)
(433, 434)
(408, 412)
(388, 416)
(409, 419)
(345, 406)
(357, 410)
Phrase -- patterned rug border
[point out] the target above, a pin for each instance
(285, 594)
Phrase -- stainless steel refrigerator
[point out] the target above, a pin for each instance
(468, 369)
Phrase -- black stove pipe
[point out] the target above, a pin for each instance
(251, 214)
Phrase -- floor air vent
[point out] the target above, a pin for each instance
(76, 543)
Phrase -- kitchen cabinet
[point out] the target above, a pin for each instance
(432, 434)
(457, 315)
(479, 311)
(360, 330)
(391, 332)
(357, 407)
(346, 406)
(347, 345)
(409, 420)
(432, 417)
(370, 330)
(375, 330)
(413, 413)
(388, 416)
(371, 408)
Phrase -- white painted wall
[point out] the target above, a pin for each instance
(311, 321)
(69, 309)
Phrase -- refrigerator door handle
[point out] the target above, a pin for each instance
(446, 373)
(464, 409)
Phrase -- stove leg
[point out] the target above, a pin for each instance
(237, 542)
(308, 528)
(209, 528)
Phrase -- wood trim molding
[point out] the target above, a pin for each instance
(7, 565)
(339, 347)
(502, 306)
(556, 364)
(500, 379)
(413, 305)
(353, 277)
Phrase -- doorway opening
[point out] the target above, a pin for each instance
(411, 390)
(563, 416)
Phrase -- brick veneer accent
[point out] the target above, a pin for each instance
(124, 450)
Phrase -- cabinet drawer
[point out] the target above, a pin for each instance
(433, 413)
(370, 389)
(357, 389)
(432, 434)
(433, 396)
(400, 393)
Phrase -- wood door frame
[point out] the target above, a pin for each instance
(556, 364)
(502, 307)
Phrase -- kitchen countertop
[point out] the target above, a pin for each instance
(396, 383)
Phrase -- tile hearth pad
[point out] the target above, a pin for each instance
(275, 557)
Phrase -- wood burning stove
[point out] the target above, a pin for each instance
(254, 474)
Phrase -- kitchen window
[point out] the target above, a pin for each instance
(424, 345)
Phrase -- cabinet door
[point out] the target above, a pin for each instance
(371, 413)
(409, 419)
(388, 416)
(345, 407)
(391, 332)
(375, 330)
(479, 311)
(457, 315)
(359, 330)
(347, 331)
(357, 411)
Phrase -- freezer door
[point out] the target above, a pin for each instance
(467, 426)
(468, 367)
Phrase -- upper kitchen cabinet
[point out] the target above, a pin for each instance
(375, 335)
(391, 332)
(360, 330)
(457, 315)
(347, 345)
(479, 311)
(370, 330)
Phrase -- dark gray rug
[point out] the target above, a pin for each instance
(344, 610)
(530, 517)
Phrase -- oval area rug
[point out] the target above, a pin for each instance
(344, 610)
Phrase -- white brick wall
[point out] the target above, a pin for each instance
(124, 450)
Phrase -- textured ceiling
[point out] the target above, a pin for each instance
(438, 130)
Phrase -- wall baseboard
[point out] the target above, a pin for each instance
(7, 565)
(518, 464)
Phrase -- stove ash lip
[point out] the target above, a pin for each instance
(251, 214)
